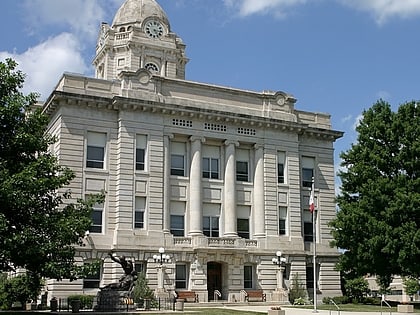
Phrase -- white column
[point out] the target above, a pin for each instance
(196, 206)
(259, 213)
(229, 199)
(166, 216)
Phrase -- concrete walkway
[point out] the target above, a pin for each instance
(296, 311)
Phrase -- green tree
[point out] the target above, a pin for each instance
(22, 288)
(39, 226)
(412, 286)
(378, 222)
(356, 289)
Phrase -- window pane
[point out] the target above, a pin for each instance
(280, 173)
(309, 277)
(282, 227)
(96, 226)
(214, 168)
(206, 168)
(308, 231)
(95, 157)
(139, 219)
(242, 171)
(248, 277)
(177, 225)
(307, 174)
(177, 165)
(243, 228)
(140, 159)
(181, 277)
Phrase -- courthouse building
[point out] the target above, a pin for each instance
(218, 177)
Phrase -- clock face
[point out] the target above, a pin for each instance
(154, 29)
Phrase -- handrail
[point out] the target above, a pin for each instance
(338, 309)
(389, 306)
(217, 294)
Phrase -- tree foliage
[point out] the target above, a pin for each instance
(379, 217)
(412, 285)
(22, 288)
(356, 289)
(39, 226)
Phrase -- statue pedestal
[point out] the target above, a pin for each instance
(114, 301)
(281, 295)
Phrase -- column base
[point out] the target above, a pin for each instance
(281, 295)
(161, 293)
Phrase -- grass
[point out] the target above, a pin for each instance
(356, 308)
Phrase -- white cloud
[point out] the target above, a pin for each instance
(82, 17)
(382, 10)
(45, 63)
(249, 7)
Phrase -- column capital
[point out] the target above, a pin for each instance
(258, 146)
(197, 138)
(169, 135)
(229, 142)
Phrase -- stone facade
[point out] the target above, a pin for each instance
(218, 177)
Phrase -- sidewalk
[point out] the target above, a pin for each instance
(296, 311)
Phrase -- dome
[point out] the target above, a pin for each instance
(135, 11)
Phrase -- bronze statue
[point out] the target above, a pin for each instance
(126, 281)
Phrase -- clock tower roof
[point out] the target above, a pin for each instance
(136, 11)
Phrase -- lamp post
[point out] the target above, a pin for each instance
(280, 294)
(161, 258)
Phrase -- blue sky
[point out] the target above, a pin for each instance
(334, 56)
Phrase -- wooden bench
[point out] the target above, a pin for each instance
(187, 296)
(255, 296)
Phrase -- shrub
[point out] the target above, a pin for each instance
(356, 289)
(142, 291)
(86, 301)
(297, 290)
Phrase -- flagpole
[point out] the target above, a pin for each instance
(312, 207)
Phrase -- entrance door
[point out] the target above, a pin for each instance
(214, 279)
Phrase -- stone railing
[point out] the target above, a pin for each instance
(122, 36)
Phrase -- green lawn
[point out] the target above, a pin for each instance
(357, 308)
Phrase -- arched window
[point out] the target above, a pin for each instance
(122, 29)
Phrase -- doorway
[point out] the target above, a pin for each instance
(214, 279)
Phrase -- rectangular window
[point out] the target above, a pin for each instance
(309, 277)
(243, 213)
(243, 228)
(95, 150)
(177, 225)
(242, 165)
(211, 157)
(140, 266)
(210, 168)
(280, 167)
(180, 276)
(178, 158)
(141, 145)
(97, 217)
(177, 218)
(308, 171)
(248, 273)
(282, 220)
(308, 233)
(211, 215)
(139, 211)
(211, 226)
(92, 281)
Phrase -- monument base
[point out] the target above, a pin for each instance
(114, 301)
(281, 295)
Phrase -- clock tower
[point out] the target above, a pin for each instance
(140, 37)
